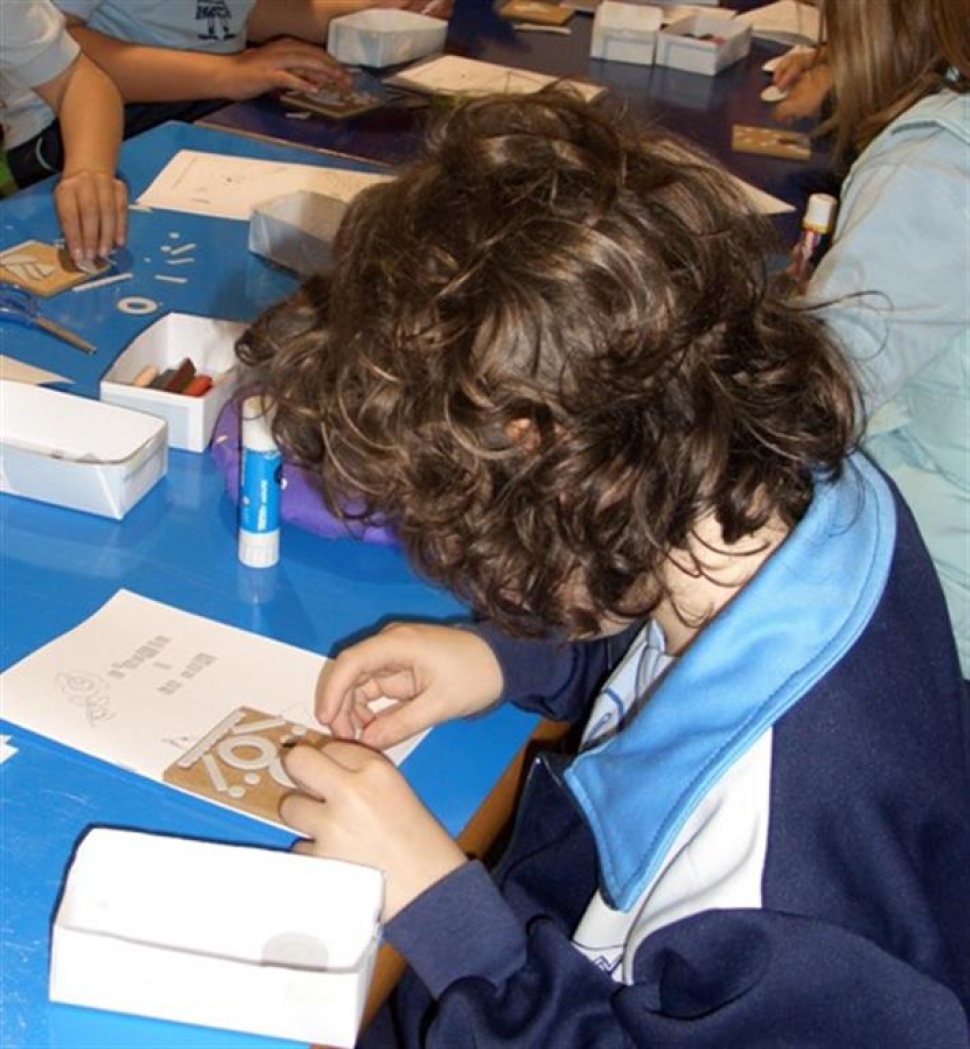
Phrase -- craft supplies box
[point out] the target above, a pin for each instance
(296, 230)
(384, 37)
(625, 32)
(225, 936)
(209, 343)
(75, 452)
(680, 47)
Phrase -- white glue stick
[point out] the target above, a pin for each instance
(259, 487)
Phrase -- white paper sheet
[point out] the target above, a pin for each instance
(140, 682)
(763, 202)
(17, 371)
(452, 75)
(785, 22)
(230, 187)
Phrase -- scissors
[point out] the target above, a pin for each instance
(20, 306)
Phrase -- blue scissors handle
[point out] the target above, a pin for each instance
(20, 306)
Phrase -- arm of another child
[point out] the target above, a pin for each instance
(92, 205)
(162, 74)
(309, 19)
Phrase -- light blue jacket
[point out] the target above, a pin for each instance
(895, 287)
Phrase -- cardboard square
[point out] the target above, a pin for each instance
(44, 269)
(239, 762)
(771, 142)
(537, 11)
(366, 93)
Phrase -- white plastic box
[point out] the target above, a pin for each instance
(625, 32)
(384, 37)
(244, 939)
(210, 343)
(679, 46)
(71, 451)
(296, 230)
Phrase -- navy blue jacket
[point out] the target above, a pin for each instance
(839, 658)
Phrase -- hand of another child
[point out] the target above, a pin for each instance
(92, 207)
(291, 65)
(806, 96)
(790, 66)
(435, 673)
(356, 806)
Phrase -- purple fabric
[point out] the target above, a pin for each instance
(301, 503)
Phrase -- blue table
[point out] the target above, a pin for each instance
(701, 108)
(178, 546)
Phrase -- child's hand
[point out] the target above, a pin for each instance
(805, 98)
(92, 207)
(358, 807)
(792, 65)
(436, 673)
(292, 65)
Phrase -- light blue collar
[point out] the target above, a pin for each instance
(777, 638)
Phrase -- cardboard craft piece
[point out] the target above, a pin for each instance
(44, 269)
(771, 142)
(239, 762)
(537, 11)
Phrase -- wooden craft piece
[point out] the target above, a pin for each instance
(239, 762)
(44, 269)
(537, 11)
(771, 142)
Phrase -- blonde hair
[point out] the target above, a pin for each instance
(886, 55)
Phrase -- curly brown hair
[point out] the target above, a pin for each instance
(543, 352)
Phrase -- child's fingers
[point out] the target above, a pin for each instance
(66, 205)
(120, 192)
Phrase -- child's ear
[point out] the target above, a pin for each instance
(524, 433)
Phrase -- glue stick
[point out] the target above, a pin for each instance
(259, 490)
(817, 225)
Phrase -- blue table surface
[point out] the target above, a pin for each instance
(178, 545)
(701, 108)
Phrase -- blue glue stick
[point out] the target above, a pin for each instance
(259, 492)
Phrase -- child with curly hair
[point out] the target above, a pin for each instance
(547, 356)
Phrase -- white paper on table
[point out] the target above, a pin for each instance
(763, 203)
(140, 682)
(785, 22)
(230, 187)
(678, 11)
(453, 75)
(17, 371)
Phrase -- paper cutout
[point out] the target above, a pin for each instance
(771, 142)
(239, 763)
(537, 11)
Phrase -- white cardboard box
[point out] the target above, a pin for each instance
(384, 37)
(296, 230)
(211, 345)
(625, 32)
(679, 46)
(225, 936)
(71, 451)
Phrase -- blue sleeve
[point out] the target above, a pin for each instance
(909, 201)
(555, 679)
(721, 978)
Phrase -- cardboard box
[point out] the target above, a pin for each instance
(625, 32)
(225, 936)
(209, 343)
(384, 37)
(71, 451)
(680, 45)
(296, 230)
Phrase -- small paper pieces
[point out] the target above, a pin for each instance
(771, 142)
(536, 11)
(44, 269)
(239, 763)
